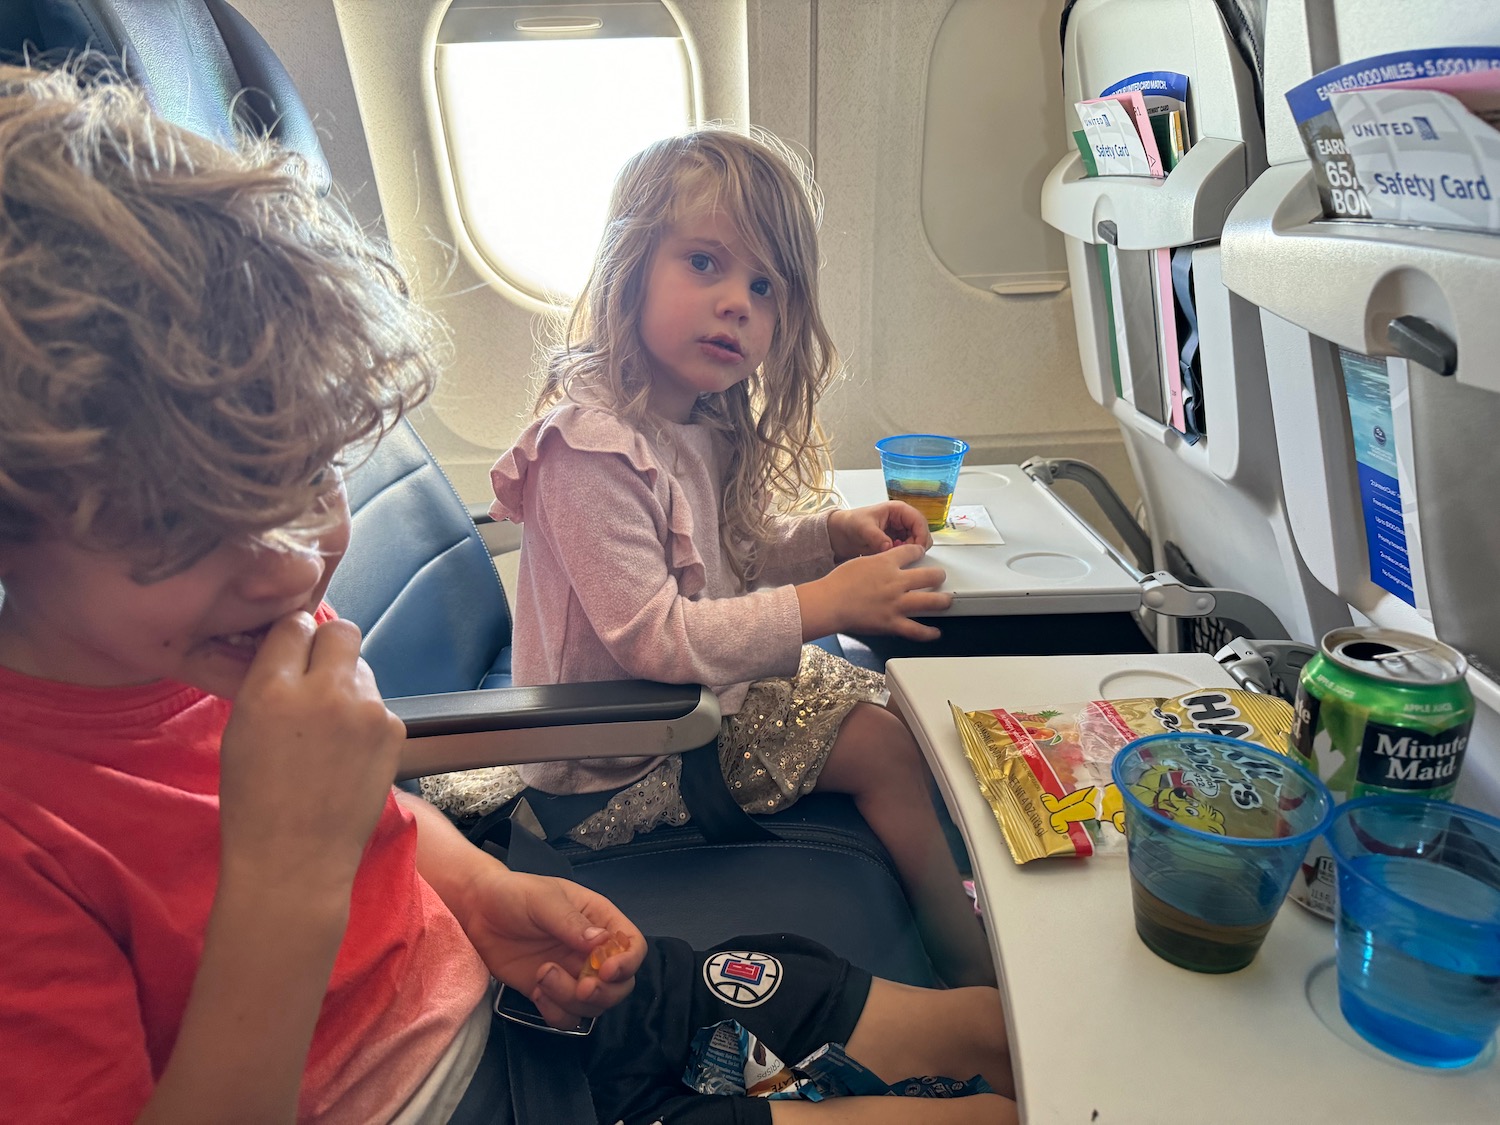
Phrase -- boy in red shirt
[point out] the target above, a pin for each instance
(216, 907)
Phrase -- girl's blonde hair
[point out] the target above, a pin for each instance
(779, 454)
(189, 335)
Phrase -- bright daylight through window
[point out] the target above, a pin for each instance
(536, 131)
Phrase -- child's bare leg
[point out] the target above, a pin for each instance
(876, 761)
(905, 1032)
(953, 1032)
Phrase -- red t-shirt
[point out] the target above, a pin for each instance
(109, 856)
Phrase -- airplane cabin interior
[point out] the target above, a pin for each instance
(1221, 340)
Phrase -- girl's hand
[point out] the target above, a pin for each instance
(854, 532)
(307, 759)
(535, 934)
(875, 595)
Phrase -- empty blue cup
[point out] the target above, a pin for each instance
(1215, 829)
(1418, 926)
(922, 470)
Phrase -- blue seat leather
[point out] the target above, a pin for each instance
(201, 63)
(428, 599)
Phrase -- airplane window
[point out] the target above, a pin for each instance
(540, 106)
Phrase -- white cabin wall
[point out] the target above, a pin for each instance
(844, 79)
(924, 350)
(305, 35)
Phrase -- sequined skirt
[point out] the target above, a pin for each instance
(771, 751)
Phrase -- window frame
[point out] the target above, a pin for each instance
(486, 21)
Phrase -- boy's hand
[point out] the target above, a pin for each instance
(307, 759)
(875, 595)
(853, 532)
(535, 933)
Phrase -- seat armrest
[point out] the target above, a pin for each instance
(509, 726)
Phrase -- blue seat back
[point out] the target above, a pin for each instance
(237, 84)
(418, 579)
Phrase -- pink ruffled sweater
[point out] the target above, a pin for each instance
(623, 576)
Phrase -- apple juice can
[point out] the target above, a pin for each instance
(1378, 712)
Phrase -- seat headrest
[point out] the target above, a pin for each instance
(201, 63)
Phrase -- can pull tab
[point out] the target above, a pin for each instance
(1398, 655)
(1423, 342)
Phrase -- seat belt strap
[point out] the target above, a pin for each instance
(560, 813)
(553, 815)
(708, 800)
(547, 1081)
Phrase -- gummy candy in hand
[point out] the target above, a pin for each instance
(611, 946)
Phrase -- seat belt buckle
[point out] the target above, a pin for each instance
(517, 1008)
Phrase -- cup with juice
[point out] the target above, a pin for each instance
(1215, 829)
(922, 470)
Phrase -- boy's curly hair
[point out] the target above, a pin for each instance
(189, 336)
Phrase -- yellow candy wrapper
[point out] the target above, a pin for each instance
(1045, 773)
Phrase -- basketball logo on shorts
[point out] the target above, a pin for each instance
(745, 980)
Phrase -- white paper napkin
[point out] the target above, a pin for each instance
(968, 525)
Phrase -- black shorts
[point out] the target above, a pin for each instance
(793, 994)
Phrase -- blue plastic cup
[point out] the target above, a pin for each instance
(922, 470)
(1215, 829)
(1418, 926)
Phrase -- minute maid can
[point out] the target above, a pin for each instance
(1378, 711)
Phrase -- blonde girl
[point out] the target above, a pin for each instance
(659, 486)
